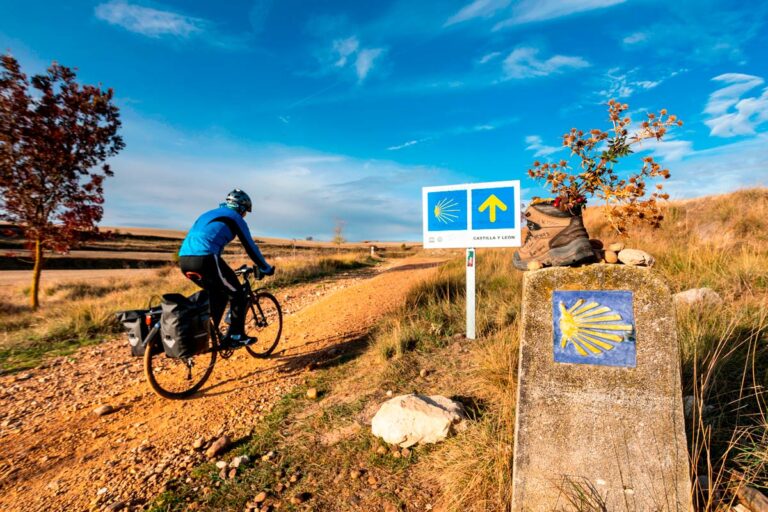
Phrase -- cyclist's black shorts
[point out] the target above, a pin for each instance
(211, 273)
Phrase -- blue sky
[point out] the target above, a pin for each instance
(341, 110)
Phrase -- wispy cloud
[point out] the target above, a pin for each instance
(523, 62)
(297, 191)
(729, 112)
(488, 57)
(156, 22)
(348, 53)
(478, 9)
(148, 21)
(669, 150)
(525, 11)
(721, 169)
(536, 144)
(635, 38)
(624, 83)
(458, 130)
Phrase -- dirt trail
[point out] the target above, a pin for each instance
(55, 454)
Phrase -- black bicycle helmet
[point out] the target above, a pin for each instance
(239, 200)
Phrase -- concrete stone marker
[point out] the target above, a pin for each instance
(600, 413)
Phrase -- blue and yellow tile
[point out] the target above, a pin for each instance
(594, 327)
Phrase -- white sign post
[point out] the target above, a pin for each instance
(469, 216)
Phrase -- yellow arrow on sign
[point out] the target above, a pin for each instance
(492, 202)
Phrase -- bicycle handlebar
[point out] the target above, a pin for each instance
(245, 270)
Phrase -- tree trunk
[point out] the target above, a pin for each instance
(35, 291)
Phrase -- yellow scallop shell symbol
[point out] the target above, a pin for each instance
(591, 327)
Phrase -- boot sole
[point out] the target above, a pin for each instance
(578, 251)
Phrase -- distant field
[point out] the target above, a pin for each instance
(150, 248)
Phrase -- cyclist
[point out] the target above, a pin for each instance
(200, 261)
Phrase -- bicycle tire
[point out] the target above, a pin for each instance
(154, 358)
(263, 321)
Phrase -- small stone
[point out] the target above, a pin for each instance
(199, 443)
(232, 473)
(23, 376)
(294, 478)
(535, 265)
(382, 450)
(355, 474)
(221, 464)
(423, 373)
(300, 498)
(312, 393)
(610, 257)
(396, 454)
(405, 452)
(372, 480)
(698, 297)
(217, 447)
(269, 456)
(103, 410)
(260, 498)
(389, 393)
(636, 257)
(390, 507)
(239, 461)
(616, 247)
(101, 491)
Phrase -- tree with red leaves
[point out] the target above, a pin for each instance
(55, 136)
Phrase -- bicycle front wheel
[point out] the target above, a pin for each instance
(264, 322)
(176, 378)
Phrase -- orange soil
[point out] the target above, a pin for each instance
(57, 455)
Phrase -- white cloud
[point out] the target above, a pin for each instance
(488, 57)
(623, 84)
(731, 114)
(666, 150)
(478, 9)
(348, 53)
(635, 38)
(148, 21)
(297, 192)
(523, 62)
(365, 60)
(536, 144)
(344, 48)
(721, 169)
(457, 130)
(527, 11)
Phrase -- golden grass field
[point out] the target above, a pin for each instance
(720, 242)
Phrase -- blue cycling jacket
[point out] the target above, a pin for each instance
(215, 229)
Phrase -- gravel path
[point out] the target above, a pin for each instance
(56, 454)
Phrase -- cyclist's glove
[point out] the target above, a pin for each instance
(270, 271)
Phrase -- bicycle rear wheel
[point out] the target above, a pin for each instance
(264, 322)
(176, 378)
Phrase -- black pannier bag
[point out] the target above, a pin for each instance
(184, 324)
(136, 327)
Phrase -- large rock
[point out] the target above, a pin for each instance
(698, 297)
(599, 407)
(409, 419)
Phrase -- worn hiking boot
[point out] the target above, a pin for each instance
(555, 238)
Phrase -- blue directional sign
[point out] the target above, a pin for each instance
(472, 215)
(447, 210)
(494, 208)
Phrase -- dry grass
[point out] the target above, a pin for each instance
(719, 242)
(78, 313)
